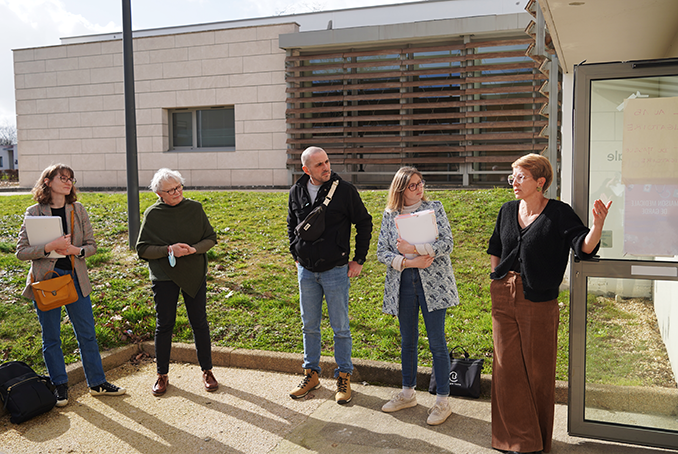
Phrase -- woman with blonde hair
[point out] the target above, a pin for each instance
(424, 282)
(528, 251)
(56, 195)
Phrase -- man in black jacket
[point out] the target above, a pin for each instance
(323, 266)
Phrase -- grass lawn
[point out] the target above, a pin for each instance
(252, 289)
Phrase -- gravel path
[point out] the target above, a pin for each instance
(234, 419)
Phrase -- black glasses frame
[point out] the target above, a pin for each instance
(174, 190)
(414, 186)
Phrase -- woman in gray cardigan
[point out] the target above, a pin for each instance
(56, 196)
(426, 281)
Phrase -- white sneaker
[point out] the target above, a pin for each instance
(439, 413)
(398, 402)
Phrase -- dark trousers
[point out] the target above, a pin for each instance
(166, 296)
(525, 337)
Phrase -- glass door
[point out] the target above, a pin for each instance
(624, 305)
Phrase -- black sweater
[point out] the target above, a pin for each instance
(542, 251)
(333, 247)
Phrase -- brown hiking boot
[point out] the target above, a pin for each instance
(343, 395)
(308, 384)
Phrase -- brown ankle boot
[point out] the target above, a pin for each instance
(210, 382)
(343, 395)
(308, 384)
(160, 386)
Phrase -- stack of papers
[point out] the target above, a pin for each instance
(417, 228)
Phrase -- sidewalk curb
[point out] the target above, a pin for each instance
(375, 372)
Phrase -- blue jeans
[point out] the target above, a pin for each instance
(411, 299)
(82, 321)
(334, 285)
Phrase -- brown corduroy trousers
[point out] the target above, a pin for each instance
(525, 338)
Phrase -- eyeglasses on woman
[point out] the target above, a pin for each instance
(64, 179)
(174, 190)
(414, 186)
(516, 178)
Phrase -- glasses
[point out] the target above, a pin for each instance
(64, 179)
(517, 178)
(174, 190)
(414, 186)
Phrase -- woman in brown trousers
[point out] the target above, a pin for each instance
(528, 251)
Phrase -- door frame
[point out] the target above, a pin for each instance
(580, 271)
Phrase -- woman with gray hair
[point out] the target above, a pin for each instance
(174, 238)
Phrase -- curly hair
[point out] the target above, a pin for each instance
(42, 193)
(396, 192)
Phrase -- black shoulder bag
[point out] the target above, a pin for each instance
(311, 228)
(23, 392)
(464, 375)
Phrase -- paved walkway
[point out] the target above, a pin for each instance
(252, 413)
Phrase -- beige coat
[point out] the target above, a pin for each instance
(82, 236)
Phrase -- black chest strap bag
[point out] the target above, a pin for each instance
(311, 228)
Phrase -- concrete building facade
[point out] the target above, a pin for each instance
(217, 101)
(70, 106)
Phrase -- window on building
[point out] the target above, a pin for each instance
(202, 128)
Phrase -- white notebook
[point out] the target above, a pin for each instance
(417, 228)
(42, 230)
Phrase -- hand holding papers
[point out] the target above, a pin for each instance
(42, 230)
(417, 228)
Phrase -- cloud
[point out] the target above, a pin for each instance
(54, 15)
(35, 23)
(39, 23)
(285, 7)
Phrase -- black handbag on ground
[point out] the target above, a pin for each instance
(464, 375)
(311, 228)
(24, 393)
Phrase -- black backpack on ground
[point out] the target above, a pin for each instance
(24, 393)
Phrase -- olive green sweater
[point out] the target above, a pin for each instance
(164, 225)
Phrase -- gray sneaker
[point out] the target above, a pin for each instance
(438, 414)
(398, 402)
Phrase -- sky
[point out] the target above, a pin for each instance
(37, 23)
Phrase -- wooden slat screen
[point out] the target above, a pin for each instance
(460, 112)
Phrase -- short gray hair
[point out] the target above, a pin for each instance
(310, 151)
(163, 175)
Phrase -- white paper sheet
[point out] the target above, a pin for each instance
(42, 230)
(417, 228)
